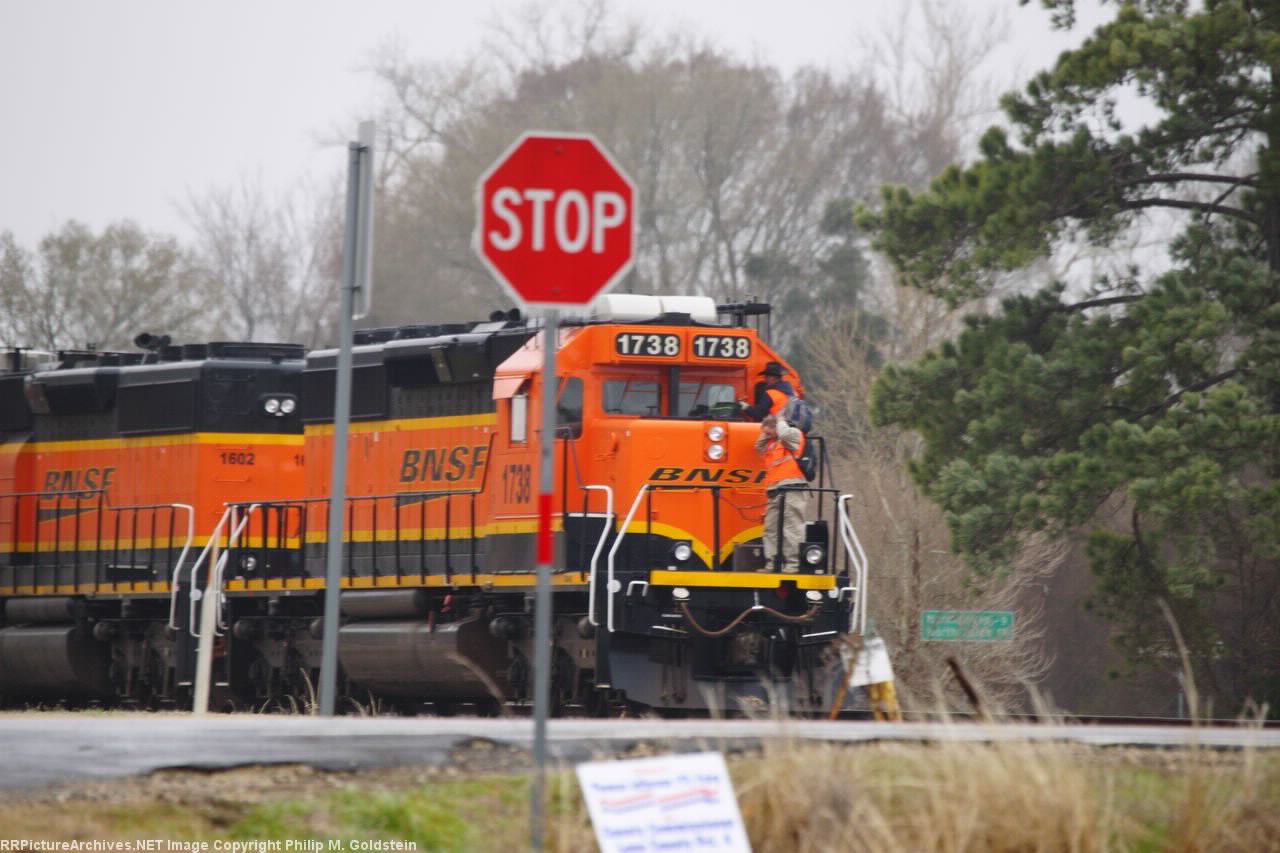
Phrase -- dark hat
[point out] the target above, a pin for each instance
(773, 368)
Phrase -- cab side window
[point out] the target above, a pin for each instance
(519, 418)
(569, 408)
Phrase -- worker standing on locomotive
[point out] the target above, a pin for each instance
(785, 485)
(770, 396)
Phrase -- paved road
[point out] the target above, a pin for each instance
(40, 749)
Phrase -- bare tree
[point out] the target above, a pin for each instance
(87, 290)
(932, 61)
(267, 260)
(735, 163)
(422, 105)
(542, 35)
(21, 314)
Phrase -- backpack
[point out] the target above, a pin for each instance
(798, 413)
(806, 462)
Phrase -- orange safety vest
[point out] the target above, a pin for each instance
(780, 464)
(779, 401)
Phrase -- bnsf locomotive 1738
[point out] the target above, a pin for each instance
(130, 480)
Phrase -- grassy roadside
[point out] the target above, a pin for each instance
(794, 797)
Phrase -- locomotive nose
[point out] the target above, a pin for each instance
(692, 452)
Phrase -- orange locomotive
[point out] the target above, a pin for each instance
(115, 469)
(661, 597)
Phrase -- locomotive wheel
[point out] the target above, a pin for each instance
(598, 704)
(564, 676)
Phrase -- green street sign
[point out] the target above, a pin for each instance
(967, 625)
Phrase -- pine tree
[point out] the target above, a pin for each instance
(1146, 407)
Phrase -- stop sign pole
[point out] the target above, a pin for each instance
(556, 227)
(542, 592)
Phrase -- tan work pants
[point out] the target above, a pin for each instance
(791, 511)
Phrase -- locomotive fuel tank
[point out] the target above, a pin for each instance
(44, 655)
(457, 661)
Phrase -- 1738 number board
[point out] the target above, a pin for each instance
(649, 344)
(661, 345)
(722, 346)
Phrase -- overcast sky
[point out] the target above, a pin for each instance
(117, 109)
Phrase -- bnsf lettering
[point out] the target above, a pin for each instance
(731, 477)
(442, 463)
(78, 479)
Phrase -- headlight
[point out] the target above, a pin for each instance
(716, 433)
(278, 405)
(682, 551)
(680, 594)
(813, 554)
(248, 562)
(715, 452)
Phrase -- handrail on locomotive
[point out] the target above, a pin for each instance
(73, 505)
(195, 566)
(854, 567)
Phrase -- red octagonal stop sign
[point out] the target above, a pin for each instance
(557, 220)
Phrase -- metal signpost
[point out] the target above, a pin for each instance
(556, 227)
(357, 265)
(357, 292)
(967, 625)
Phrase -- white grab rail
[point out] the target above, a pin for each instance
(595, 556)
(858, 557)
(613, 552)
(177, 571)
(191, 534)
(215, 577)
(237, 528)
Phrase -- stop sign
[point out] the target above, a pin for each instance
(557, 220)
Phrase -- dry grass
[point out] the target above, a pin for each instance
(1008, 797)
(795, 796)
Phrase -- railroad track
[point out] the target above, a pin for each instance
(1096, 720)
(53, 748)
(576, 713)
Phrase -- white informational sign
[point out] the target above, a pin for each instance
(873, 665)
(677, 802)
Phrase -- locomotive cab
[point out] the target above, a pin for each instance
(648, 410)
(662, 500)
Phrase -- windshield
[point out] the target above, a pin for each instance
(699, 398)
(706, 399)
(632, 397)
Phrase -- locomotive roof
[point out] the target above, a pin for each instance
(111, 368)
(84, 380)
(446, 353)
(40, 361)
